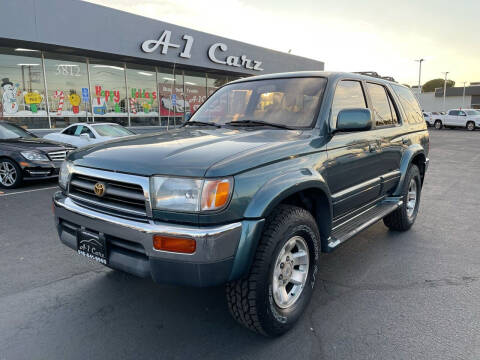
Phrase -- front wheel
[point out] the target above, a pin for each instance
(10, 174)
(470, 126)
(438, 124)
(280, 283)
(403, 218)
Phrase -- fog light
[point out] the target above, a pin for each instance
(174, 244)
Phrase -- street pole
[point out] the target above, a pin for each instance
(420, 76)
(463, 96)
(445, 89)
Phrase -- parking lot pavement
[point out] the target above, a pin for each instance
(382, 295)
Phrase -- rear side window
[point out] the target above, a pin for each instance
(382, 105)
(348, 95)
(454, 112)
(409, 104)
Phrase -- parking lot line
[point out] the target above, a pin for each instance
(26, 191)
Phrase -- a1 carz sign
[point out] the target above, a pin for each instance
(217, 53)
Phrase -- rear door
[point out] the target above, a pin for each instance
(353, 158)
(388, 133)
(461, 118)
(451, 119)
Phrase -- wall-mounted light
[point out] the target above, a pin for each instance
(108, 67)
(22, 49)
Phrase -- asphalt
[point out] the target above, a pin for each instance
(382, 295)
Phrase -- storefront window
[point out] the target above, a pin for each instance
(195, 85)
(142, 95)
(166, 82)
(179, 104)
(67, 86)
(22, 88)
(108, 93)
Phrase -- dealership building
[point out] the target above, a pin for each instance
(67, 61)
(460, 97)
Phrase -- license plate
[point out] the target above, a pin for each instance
(92, 245)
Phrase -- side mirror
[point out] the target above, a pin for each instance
(85, 136)
(354, 120)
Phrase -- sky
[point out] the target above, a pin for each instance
(348, 35)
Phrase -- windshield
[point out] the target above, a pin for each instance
(9, 131)
(112, 130)
(292, 102)
(472, 112)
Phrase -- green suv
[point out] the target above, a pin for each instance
(269, 172)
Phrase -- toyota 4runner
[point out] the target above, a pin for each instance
(269, 172)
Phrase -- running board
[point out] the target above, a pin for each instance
(370, 216)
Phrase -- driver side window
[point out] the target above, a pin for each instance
(70, 131)
(348, 95)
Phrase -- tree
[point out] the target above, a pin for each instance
(431, 85)
(406, 85)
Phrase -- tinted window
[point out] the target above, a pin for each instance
(292, 102)
(454, 112)
(409, 104)
(462, 113)
(382, 105)
(70, 131)
(348, 95)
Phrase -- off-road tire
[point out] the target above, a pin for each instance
(19, 174)
(399, 220)
(250, 299)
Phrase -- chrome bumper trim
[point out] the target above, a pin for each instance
(213, 243)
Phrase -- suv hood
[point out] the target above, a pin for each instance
(23, 144)
(184, 152)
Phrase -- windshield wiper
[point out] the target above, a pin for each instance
(204, 123)
(258, 123)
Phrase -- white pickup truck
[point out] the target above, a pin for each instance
(467, 118)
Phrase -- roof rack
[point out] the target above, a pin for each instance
(375, 75)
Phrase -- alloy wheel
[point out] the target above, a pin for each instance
(290, 272)
(412, 198)
(8, 174)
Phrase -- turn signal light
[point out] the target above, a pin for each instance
(174, 244)
(216, 194)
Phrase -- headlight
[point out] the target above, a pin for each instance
(190, 195)
(64, 175)
(34, 156)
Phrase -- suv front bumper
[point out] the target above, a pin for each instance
(222, 252)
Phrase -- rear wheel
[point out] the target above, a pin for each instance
(10, 174)
(470, 126)
(438, 124)
(403, 218)
(278, 288)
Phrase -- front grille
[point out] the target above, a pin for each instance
(120, 198)
(57, 155)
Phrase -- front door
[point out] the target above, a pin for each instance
(354, 161)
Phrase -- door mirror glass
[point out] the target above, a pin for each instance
(354, 120)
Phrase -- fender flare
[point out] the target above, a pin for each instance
(274, 191)
(408, 155)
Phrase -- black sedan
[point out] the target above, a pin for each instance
(23, 156)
